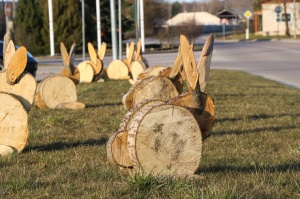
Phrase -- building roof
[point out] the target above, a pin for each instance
(200, 18)
(277, 1)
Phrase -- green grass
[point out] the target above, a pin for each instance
(253, 152)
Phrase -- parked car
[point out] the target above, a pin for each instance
(31, 65)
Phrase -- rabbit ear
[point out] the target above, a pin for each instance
(92, 53)
(204, 62)
(72, 54)
(64, 54)
(130, 53)
(102, 50)
(17, 65)
(177, 65)
(138, 50)
(189, 63)
(8, 53)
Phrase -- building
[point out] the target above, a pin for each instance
(268, 22)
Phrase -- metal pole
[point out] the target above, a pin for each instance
(142, 25)
(137, 20)
(120, 29)
(295, 21)
(98, 23)
(113, 28)
(51, 29)
(83, 31)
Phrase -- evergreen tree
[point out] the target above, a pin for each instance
(176, 8)
(28, 23)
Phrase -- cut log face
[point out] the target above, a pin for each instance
(117, 150)
(24, 90)
(13, 123)
(86, 72)
(205, 115)
(165, 139)
(154, 87)
(117, 69)
(154, 70)
(137, 67)
(57, 90)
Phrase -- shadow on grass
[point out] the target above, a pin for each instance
(57, 146)
(250, 169)
(256, 117)
(257, 130)
(102, 105)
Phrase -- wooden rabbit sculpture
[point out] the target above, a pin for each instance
(90, 70)
(17, 88)
(69, 70)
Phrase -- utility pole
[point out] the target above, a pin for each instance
(295, 21)
(142, 25)
(83, 30)
(113, 28)
(98, 23)
(51, 29)
(120, 29)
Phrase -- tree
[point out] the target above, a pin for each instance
(28, 23)
(176, 8)
(287, 29)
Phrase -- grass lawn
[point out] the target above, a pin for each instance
(253, 151)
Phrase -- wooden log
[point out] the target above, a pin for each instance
(71, 105)
(13, 124)
(204, 112)
(117, 149)
(24, 89)
(137, 67)
(154, 87)
(154, 70)
(164, 140)
(76, 74)
(57, 90)
(86, 72)
(117, 69)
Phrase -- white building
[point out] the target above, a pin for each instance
(198, 18)
(273, 23)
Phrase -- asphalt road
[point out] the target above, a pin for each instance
(275, 60)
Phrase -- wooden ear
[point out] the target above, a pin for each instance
(8, 53)
(138, 50)
(64, 54)
(16, 65)
(177, 65)
(72, 54)
(130, 53)
(92, 53)
(102, 51)
(204, 62)
(189, 63)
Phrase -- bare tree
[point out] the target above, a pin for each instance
(287, 29)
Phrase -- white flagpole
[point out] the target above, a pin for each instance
(51, 29)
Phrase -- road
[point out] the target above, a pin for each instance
(275, 60)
